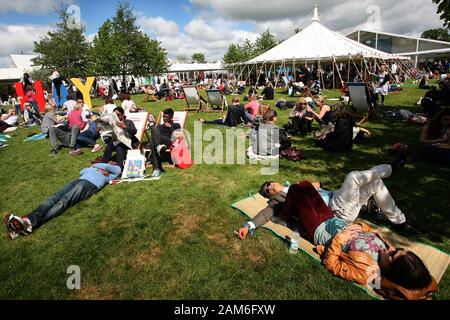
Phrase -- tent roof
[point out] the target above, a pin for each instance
(188, 67)
(318, 42)
(19, 64)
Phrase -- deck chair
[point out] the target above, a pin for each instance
(192, 99)
(179, 117)
(360, 101)
(140, 120)
(215, 99)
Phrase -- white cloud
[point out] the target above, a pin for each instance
(410, 17)
(158, 26)
(31, 6)
(20, 39)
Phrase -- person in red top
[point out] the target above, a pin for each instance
(252, 108)
(75, 117)
(31, 98)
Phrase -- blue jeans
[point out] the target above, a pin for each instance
(71, 194)
(88, 138)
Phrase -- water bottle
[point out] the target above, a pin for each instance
(295, 240)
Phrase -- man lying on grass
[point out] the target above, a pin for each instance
(91, 181)
(358, 188)
(353, 251)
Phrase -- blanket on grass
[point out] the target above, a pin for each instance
(36, 137)
(436, 260)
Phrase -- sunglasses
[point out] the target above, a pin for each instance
(302, 104)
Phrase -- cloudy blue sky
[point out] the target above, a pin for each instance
(209, 26)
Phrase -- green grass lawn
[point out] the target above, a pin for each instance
(173, 238)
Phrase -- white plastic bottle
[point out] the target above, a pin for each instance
(295, 240)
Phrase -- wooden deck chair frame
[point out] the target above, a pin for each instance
(175, 117)
(182, 124)
(190, 100)
(140, 120)
(358, 100)
(213, 100)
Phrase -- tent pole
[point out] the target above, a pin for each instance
(348, 71)
(334, 85)
(294, 73)
(321, 73)
(339, 73)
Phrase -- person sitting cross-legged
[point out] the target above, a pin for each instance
(161, 140)
(64, 136)
(91, 181)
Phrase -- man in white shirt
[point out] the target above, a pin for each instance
(69, 105)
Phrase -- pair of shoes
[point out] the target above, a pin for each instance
(75, 152)
(97, 148)
(53, 153)
(373, 210)
(156, 174)
(405, 227)
(17, 226)
(399, 162)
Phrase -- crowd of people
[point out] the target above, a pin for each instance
(323, 217)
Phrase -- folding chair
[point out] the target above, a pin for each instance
(140, 120)
(192, 99)
(215, 99)
(179, 117)
(360, 100)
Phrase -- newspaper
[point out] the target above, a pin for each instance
(109, 123)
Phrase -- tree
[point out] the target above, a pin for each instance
(264, 42)
(182, 59)
(437, 34)
(234, 54)
(65, 49)
(120, 48)
(198, 57)
(444, 11)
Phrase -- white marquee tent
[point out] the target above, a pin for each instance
(317, 44)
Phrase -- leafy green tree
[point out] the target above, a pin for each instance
(444, 11)
(437, 34)
(65, 49)
(234, 54)
(264, 42)
(198, 57)
(120, 48)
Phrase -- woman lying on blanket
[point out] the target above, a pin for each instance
(354, 252)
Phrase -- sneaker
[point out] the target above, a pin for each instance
(17, 226)
(97, 148)
(373, 210)
(398, 162)
(156, 175)
(161, 149)
(53, 153)
(75, 152)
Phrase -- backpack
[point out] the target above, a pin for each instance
(281, 104)
(341, 139)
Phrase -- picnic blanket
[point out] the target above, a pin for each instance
(36, 137)
(437, 261)
(4, 137)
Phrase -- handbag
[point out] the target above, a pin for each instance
(292, 154)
